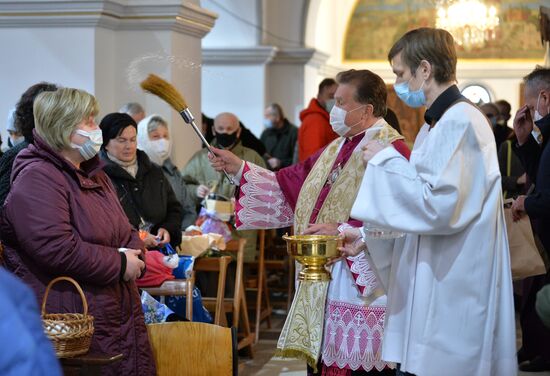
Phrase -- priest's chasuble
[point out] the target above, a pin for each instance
(450, 309)
(347, 330)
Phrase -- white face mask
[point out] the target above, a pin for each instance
(160, 150)
(338, 120)
(91, 146)
(537, 115)
(14, 141)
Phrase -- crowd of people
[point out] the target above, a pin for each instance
(88, 200)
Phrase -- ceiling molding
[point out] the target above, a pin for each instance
(300, 56)
(185, 18)
(259, 55)
(264, 55)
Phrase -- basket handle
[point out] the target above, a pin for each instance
(68, 279)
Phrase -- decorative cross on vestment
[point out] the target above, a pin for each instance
(333, 176)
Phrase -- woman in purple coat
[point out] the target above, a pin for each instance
(62, 217)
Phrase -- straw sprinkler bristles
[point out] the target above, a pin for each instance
(165, 91)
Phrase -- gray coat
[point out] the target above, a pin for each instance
(182, 193)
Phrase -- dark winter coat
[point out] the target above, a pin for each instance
(149, 196)
(62, 221)
(280, 143)
(182, 193)
(6, 164)
(536, 161)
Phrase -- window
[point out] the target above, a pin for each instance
(477, 94)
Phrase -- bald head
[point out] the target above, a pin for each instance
(226, 122)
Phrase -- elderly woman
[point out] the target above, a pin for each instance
(62, 217)
(154, 139)
(144, 192)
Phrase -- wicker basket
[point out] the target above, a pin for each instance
(70, 333)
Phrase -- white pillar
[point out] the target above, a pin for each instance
(91, 44)
(256, 55)
(234, 80)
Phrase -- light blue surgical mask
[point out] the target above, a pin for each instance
(413, 99)
(329, 104)
(91, 146)
(268, 123)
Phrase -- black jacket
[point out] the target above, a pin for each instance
(536, 161)
(6, 163)
(280, 143)
(149, 196)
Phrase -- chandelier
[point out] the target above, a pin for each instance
(470, 22)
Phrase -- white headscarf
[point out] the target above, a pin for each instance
(158, 151)
(10, 124)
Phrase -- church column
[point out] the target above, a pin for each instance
(94, 45)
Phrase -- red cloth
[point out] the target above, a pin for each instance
(156, 272)
(315, 131)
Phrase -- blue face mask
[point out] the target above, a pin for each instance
(412, 99)
(268, 123)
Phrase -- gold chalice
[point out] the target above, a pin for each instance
(313, 252)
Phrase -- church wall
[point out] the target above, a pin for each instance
(90, 45)
(240, 89)
(43, 54)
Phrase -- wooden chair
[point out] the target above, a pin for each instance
(176, 287)
(237, 304)
(193, 348)
(219, 265)
(262, 312)
(278, 260)
(87, 364)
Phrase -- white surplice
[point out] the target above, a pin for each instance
(450, 306)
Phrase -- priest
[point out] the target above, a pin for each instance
(316, 197)
(450, 310)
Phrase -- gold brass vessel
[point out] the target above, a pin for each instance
(313, 252)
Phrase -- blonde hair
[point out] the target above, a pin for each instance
(57, 113)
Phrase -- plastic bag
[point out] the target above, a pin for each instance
(184, 265)
(154, 311)
(178, 305)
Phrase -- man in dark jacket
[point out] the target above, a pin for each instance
(534, 153)
(248, 140)
(279, 138)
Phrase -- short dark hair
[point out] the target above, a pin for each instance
(369, 88)
(506, 107)
(113, 124)
(327, 82)
(392, 120)
(24, 117)
(539, 78)
(436, 46)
